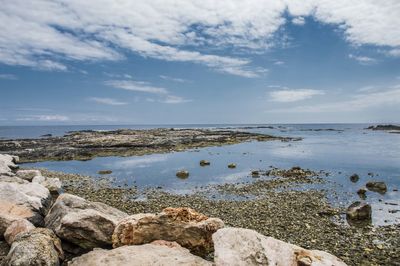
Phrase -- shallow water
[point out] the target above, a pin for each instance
(350, 150)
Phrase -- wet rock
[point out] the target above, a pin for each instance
(104, 172)
(39, 246)
(8, 164)
(238, 246)
(185, 226)
(17, 227)
(204, 163)
(377, 186)
(362, 193)
(354, 178)
(359, 211)
(28, 174)
(83, 223)
(232, 165)
(255, 173)
(27, 200)
(182, 174)
(148, 254)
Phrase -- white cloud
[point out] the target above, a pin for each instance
(357, 102)
(298, 21)
(394, 52)
(173, 79)
(175, 99)
(33, 32)
(8, 76)
(44, 118)
(138, 86)
(107, 101)
(288, 95)
(279, 63)
(364, 60)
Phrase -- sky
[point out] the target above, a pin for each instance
(199, 61)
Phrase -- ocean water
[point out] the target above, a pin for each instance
(339, 149)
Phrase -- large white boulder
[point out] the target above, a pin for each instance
(83, 223)
(148, 254)
(244, 247)
(7, 164)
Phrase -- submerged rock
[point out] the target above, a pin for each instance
(148, 254)
(377, 186)
(204, 163)
(83, 223)
(17, 227)
(182, 174)
(104, 172)
(238, 246)
(255, 173)
(354, 178)
(39, 246)
(232, 165)
(185, 226)
(359, 211)
(362, 193)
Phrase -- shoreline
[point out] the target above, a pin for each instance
(303, 218)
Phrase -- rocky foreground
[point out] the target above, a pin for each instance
(42, 227)
(85, 145)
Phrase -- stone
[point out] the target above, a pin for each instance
(354, 178)
(377, 186)
(83, 223)
(53, 185)
(104, 172)
(17, 227)
(12, 179)
(8, 164)
(39, 246)
(359, 211)
(28, 174)
(204, 163)
(238, 246)
(255, 173)
(147, 254)
(182, 174)
(232, 165)
(23, 201)
(185, 226)
(38, 179)
(170, 244)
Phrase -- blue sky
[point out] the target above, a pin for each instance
(187, 61)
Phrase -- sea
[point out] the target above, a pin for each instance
(337, 149)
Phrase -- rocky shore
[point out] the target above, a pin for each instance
(85, 145)
(43, 227)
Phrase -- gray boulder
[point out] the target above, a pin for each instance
(39, 246)
(244, 247)
(8, 164)
(83, 223)
(148, 254)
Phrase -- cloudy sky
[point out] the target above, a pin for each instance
(199, 61)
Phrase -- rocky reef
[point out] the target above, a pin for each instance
(85, 145)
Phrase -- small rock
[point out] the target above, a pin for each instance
(359, 211)
(104, 172)
(204, 163)
(362, 193)
(255, 173)
(182, 174)
(354, 178)
(232, 165)
(17, 227)
(377, 186)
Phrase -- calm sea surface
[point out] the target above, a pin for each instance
(345, 150)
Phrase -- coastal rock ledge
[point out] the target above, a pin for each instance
(77, 232)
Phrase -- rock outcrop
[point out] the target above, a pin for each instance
(17, 227)
(8, 164)
(148, 254)
(83, 223)
(185, 226)
(237, 247)
(39, 246)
